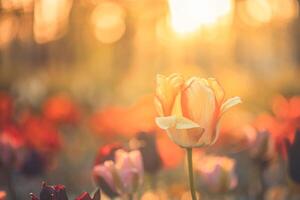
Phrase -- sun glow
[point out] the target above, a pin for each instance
(190, 15)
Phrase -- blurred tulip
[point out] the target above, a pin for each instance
(124, 175)
(61, 109)
(117, 120)
(190, 110)
(2, 195)
(283, 125)
(106, 152)
(11, 141)
(6, 108)
(41, 134)
(285, 108)
(12, 134)
(58, 192)
(146, 143)
(217, 173)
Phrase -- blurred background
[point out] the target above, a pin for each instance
(83, 71)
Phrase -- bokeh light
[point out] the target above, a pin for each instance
(189, 16)
(50, 19)
(108, 19)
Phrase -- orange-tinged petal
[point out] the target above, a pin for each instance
(218, 90)
(177, 110)
(166, 91)
(158, 106)
(198, 103)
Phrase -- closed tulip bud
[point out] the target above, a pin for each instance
(124, 175)
(217, 173)
(105, 153)
(103, 176)
(190, 110)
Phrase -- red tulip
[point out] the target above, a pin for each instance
(61, 109)
(58, 192)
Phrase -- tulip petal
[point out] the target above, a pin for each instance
(198, 102)
(177, 110)
(218, 90)
(186, 137)
(216, 132)
(158, 106)
(166, 91)
(105, 171)
(176, 122)
(137, 160)
(230, 103)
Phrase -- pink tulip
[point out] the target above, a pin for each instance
(125, 174)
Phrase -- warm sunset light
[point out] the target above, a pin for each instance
(149, 99)
(190, 15)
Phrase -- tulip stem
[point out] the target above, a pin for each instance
(191, 175)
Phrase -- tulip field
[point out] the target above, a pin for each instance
(149, 100)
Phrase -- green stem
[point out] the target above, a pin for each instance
(191, 175)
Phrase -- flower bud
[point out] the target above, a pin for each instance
(106, 153)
